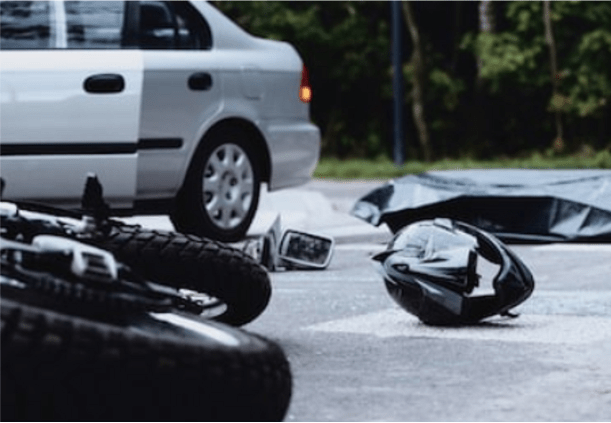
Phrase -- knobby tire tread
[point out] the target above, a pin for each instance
(200, 264)
(60, 367)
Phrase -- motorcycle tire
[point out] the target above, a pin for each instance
(58, 365)
(181, 261)
(198, 264)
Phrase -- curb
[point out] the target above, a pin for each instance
(299, 209)
(311, 211)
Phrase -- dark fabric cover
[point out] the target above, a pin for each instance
(517, 205)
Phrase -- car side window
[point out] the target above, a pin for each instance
(172, 25)
(94, 24)
(35, 25)
(26, 25)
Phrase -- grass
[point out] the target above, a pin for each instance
(332, 168)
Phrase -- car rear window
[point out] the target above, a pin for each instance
(172, 25)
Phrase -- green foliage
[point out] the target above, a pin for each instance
(383, 168)
(346, 48)
(446, 87)
(588, 85)
(507, 55)
(518, 56)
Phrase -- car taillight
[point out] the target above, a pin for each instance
(305, 91)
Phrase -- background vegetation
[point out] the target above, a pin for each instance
(501, 79)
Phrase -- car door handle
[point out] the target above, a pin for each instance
(200, 81)
(106, 83)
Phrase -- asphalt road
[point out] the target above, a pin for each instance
(358, 357)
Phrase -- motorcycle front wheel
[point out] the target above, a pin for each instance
(190, 262)
(58, 365)
(199, 264)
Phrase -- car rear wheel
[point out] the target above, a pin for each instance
(220, 196)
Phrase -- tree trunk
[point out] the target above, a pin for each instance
(456, 35)
(418, 82)
(551, 44)
(487, 25)
(483, 106)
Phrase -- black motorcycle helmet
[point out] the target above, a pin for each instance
(429, 269)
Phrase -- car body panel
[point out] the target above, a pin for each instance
(296, 148)
(42, 91)
(48, 183)
(253, 80)
(170, 110)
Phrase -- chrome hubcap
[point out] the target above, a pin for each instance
(228, 186)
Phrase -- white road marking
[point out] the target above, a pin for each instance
(299, 291)
(548, 329)
(574, 247)
(361, 247)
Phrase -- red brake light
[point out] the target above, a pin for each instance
(305, 91)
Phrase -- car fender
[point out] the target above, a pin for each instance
(230, 113)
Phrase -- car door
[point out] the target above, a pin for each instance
(71, 84)
(181, 92)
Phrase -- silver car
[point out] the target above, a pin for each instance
(172, 105)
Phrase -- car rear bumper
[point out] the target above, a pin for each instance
(294, 150)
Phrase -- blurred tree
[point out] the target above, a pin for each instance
(482, 137)
(487, 25)
(515, 64)
(555, 78)
(473, 50)
(418, 81)
(346, 48)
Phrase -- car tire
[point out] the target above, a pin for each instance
(220, 195)
(57, 365)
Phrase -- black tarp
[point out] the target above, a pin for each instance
(517, 205)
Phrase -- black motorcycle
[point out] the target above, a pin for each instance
(87, 337)
(209, 270)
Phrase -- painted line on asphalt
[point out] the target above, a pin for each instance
(574, 247)
(362, 247)
(547, 329)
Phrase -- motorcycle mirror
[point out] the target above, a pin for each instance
(305, 250)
